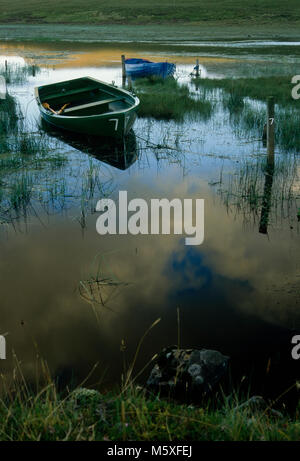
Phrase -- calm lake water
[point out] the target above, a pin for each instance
(238, 292)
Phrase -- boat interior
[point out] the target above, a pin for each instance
(92, 100)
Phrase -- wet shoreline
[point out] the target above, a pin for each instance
(146, 33)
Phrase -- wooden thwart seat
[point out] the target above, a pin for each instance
(90, 105)
(67, 93)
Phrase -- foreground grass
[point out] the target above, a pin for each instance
(132, 415)
(145, 12)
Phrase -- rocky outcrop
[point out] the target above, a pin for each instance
(187, 370)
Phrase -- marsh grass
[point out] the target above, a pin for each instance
(17, 74)
(251, 121)
(248, 112)
(37, 411)
(169, 100)
(258, 88)
(244, 191)
(9, 116)
(233, 101)
(24, 157)
(20, 193)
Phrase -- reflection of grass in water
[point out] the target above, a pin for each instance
(249, 119)
(18, 74)
(243, 192)
(31, 144)
(233, 100)
(24, 155)
(28, 161)
(20, 192)
(100, 285)
(256, 88)
(287, 129)
(287, 122)
(28, 179)
(8, 118)
(167, 100)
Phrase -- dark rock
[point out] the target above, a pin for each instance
(188, 370)
(257, 404)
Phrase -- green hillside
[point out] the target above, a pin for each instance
(150, 12)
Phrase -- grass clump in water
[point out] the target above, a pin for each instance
(255, 88)
(167, 100)
(8, 116)
(287, 121)
(16, 74)
(21, 192)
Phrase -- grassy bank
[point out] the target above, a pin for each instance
(132, 415)
(153, 33)
(145, 12)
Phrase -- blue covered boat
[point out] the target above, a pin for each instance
(138, 68)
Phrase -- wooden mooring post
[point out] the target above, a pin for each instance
(271, 129)
(269, 132)
(123, 70)
(197, 68)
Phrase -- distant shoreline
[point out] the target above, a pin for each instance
(146, 33)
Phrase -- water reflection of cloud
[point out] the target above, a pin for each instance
(235, 273)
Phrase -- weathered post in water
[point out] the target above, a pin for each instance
(197, 68)
(271, 129)
(270, 132)
(266, 203)
(123, 70)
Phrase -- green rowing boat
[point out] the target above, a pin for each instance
(86, 105)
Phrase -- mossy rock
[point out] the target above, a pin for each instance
(86, 398)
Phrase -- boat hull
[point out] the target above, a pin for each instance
(113, 125)
(115, 122)
(139, 68)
